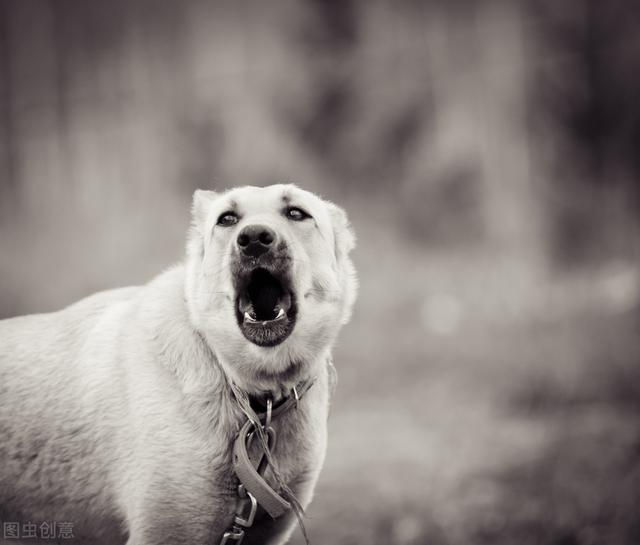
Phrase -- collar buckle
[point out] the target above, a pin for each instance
(296, 395)
(267, 420)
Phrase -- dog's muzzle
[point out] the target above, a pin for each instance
(265, 299)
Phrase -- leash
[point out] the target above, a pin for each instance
(253, 489)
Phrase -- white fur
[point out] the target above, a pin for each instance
(116, 412)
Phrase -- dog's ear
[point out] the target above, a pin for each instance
(343, 235)
(345, 241)
(200, 207)
(202, 200)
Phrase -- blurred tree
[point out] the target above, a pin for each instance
(585, 107)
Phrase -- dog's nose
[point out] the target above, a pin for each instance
(255, 240)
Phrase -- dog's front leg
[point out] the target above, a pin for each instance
(190, 512)
(176, 525)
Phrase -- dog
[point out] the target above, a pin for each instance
(118, 414)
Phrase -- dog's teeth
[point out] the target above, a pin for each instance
(249, 318)
(280, 314)
(244, 304)
(285, 301)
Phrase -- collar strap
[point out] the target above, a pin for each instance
(283, 405)
(250, 477)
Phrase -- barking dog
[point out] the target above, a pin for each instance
(118, 414)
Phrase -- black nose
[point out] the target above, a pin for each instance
(255, 240)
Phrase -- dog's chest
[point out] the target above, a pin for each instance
(298, 454)
(297, 444)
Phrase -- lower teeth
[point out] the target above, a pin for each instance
(253, 319)
(249, 318)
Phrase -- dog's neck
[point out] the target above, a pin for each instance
(277, 386)
(260, 399)
(188, 355)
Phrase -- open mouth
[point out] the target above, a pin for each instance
(265, 307)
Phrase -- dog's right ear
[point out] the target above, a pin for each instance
(202, 200)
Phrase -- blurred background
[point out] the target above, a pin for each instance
(488, 153)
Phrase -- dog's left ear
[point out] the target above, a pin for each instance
(200, 207)
(202, 200)
(345, 241)
(343, 235)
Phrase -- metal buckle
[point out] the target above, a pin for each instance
(295, 394)
(235, 534)
(267, 421)
(271, 437)
(247, 521)
(242, 492)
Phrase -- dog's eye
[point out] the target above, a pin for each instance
(296, 214)
(227, 219)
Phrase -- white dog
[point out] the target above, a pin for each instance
(118, 414)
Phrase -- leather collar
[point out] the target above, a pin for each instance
(250, 476)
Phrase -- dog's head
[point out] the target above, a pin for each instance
(269, 279)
